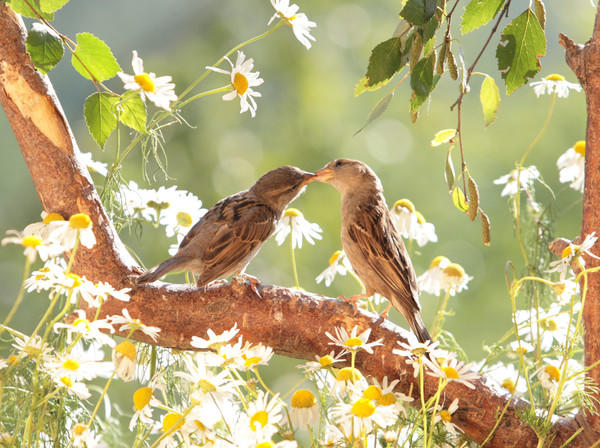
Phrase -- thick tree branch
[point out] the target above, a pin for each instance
(291, 322)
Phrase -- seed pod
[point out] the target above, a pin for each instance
(417, 47)
(485, 228)
(442, 58)
(452, 68)
(473, 198)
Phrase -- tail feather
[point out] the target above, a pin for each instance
(418, 328)
(161, 269)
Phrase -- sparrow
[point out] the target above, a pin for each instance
(372, 242)
(232, 232)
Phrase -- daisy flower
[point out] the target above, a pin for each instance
(520, 347)
(133, 199)
(124, 360)
(97, 167)
(218, 386)
(445, 416)
(294, 223)
(573, 253)
(321, 362)
(33, 245)
(32, 347)
(565, 290)
(75, 388)
(242, 81)
(527, 176)
(159, 90)
(413, 351)
(405, 217)
(83, 437)
(143, 403)
(129, 323)
(383, 395)
(304, 410)
(299, 22)
(431, 280)
(353, 342)
(554, 83)
(454, 278)
(257, 355)
(90, 331)
(425, 231)
(549, 375)
(264, 414)
(43, 229)
(65, 233)
(345, 379)
(79, 364)
(96, 294)
(571, 166)
(554, 325)
(214, 341)
(338, 264)
(508, 377)
(451, 370)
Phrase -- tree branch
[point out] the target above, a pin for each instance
(292, 322)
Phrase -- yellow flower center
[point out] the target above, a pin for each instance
(127, 349)
(266, 444)
(50, 217)
(509, 385)
(555, 77)
(450, 372)
(261, 417)
(348, 374)
(419, 351)
(252, 360)
(404, 203)
(184, 219)
(363, 408)
(559, 288)
(12, 359)
(293, 213)
(549, 324)
(206, 386)
(337, 254)
(79, 429)
(521, 350)
(454, 270)
(372, 393)
(326, 360)
(438, 261)
(445, 415)
(387, 399)
(553, 372)
(31, 241)
(200, 425)
(80, 221)
(354, 342)
(82, 322)
(240, 83)
(420, 218)
(145, 82)
(67, 381)
(141, 398)
(579, 147)
(567, 252)
(303, 399)
(71, 364)
(76, 279)
(170, 422)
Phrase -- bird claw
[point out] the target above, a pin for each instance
(254, 282)
(352, 300)
(218, 282)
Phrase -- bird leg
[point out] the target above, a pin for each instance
(384, 314)
(217, 282)
(353, 299)
(254, 282)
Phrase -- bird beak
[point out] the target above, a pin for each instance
(323, 175)
(308, 178)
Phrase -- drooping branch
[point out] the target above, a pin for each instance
(291, 322)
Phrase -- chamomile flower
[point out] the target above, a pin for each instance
(79, 364)
(413, 351)
(383, 395)
(43, 228)
(508, 377)
(124, 360)
(353, 342)
(264, 414)
(451, 370)
(454, 278)
(33, 245)
(445, 416)
(425, 231)
(549, 375)
(91, 164)
(573, 253)
(129, 323)
(214, 341)
(33, 347)
(565, 290)
(143, 403)
(571, 165)
(84, 437)
(347, 378)
(66, 233)
(431, 280)
(554, 83)
(256, 355)
(526, 177)
(218, 387)
(304, 410)
(76, 388)
(90, 331)
(322, 362)
(338, 264)
(520, 347)
(294, 223)
(242, 80)
(159, 90)
(405, 217)
(554, 325)
(299, 22)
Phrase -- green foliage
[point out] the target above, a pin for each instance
(523, 43)
(20, 7)
(478, 13)
(44, 47)
(49, 6)
(489, 96)
(99, 113)
(363, 86)
(96, 56)
(386, 58)
(133, 111)
(422, 81)
(378, 110)
(418, 12)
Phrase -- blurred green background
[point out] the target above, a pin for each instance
(307, 116)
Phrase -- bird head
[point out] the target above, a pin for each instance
(281, 186)
(348, 175)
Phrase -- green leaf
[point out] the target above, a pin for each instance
(386, 58)
(363, 86)
(20, 7)
(490, 99)
(133, 111)
(99, 113)
(418, 12)
(44, 47)
(522, 44)
(443, 136)
(459, 200)
(478, 13)
(421, 78)
(100, 64)
(378, 110)
(52, 5)
(449, 174)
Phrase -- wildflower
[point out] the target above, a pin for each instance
(353, 342)
(98, 167)
(321, 362)
(338, 264)
(445, 416)
(83, 437)
(425, 231)
(346, 378)
(143, 402)
(411, 223)
(43, 228)
(96, 294)
(215, 342)
(33, 347)
(79, 364)
(573, 254)
(304, 411)
(554, 325)
(242, 81)
(265, 414)
(159, 90)
(76, 388)
(206, 383)
(554, 83)
(133, 199)
(549, 375)
(90, 331)
(129, 323)
(124, 357)
(571, 165)
(526, 177)
(293, 222)
(33, 245)
(451, 370)
(413, 351)
(565, 290)
(298, 21)
(383, 394)
(521, 347)
(257, 355)
(66, 233)
(431, 280)
(454, 278)
(507, 377)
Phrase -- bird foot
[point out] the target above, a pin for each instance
(384, 314)
(352, 300)
(254, 282)
(218, 282)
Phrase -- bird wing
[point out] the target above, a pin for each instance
(230, 232)
(385, 254)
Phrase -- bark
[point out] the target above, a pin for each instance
(292, 322)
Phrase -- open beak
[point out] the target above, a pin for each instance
(323, 175)
(308, 178)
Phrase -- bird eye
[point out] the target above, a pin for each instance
(338, 163)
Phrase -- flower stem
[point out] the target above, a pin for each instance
(440, 317)
(19, 298)
(294, 269)
(226, 88)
